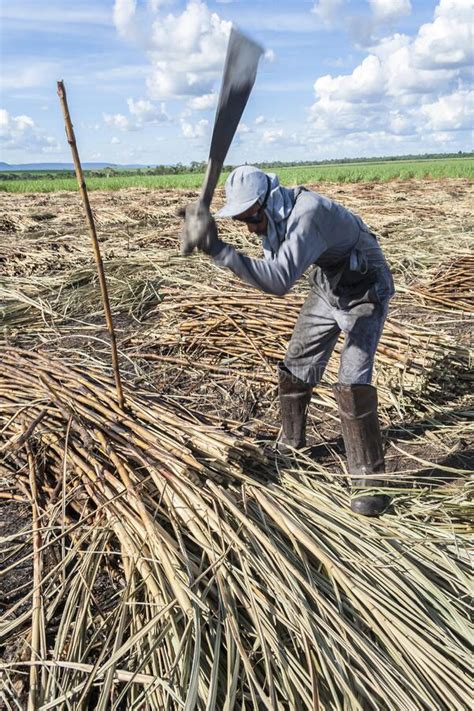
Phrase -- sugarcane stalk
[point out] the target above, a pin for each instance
(95, 243)
(36, 606)
(278, 569)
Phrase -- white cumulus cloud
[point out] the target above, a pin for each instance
(124, 12)
(203, 103)
(406, 87)
(366, 82)
(197, 130)
(389, 10)
(146, 112)
(21, 133)
(453, 112)
(243, 128)
(186, 49)
(447, 42)
(273, 135)
(120, 122)
(142, 111)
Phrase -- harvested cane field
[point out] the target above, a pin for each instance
(163, 556)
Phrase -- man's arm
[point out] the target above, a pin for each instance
(301, 247)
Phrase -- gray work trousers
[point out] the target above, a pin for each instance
(359, 311)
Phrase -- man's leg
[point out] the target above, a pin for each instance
(311, 345)
(357, 401)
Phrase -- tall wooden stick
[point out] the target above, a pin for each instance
(90, 221)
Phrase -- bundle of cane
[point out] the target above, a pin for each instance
(229, 581)
(231, 331)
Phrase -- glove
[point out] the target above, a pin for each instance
(199, 230)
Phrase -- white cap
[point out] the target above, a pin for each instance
(243, 187)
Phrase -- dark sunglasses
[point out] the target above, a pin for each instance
(257, 217)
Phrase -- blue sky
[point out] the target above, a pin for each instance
(340, 78)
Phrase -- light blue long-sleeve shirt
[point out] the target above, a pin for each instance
(319, 232)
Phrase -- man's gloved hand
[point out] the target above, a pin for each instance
(199, 230)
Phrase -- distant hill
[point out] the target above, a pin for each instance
(63, 166)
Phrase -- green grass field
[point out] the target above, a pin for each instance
(296, 175)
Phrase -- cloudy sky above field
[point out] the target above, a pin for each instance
(339, 78)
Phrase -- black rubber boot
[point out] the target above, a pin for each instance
(295, 396)
(363, 442)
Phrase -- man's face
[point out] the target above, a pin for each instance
(256, 226)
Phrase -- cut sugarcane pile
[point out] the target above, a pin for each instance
(177, 569)
(233, 331)
(207, 575)
(451, 286)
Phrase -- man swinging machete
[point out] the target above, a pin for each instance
(350, 292)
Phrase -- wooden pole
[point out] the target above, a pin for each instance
(95, 244)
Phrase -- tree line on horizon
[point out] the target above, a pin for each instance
(200, 166)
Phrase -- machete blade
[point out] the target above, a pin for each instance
(240, 70)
